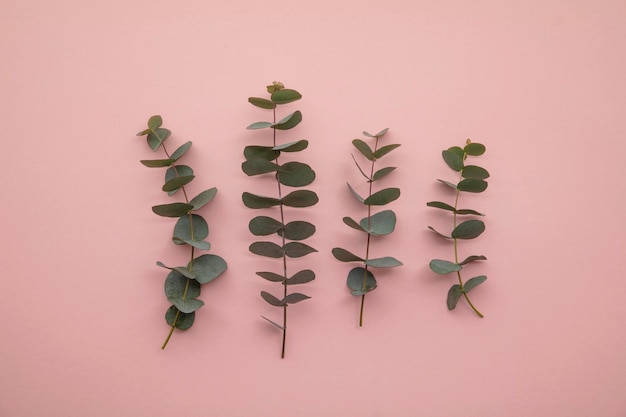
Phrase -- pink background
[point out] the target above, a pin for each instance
(540, 83)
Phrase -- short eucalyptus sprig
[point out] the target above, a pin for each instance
(360, 279)
(472, 180)
(182, 285)
(263, 160)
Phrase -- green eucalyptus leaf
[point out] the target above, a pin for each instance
(296, 146)
(382, 197)
(268, 249)
(172, 209)
(294, 298)
(385, 150)
(254, 201)
(182, 321)
(360, 281)
(440, 205)
(355, 194)
(453, 160)
(178, 286)
(295, 174)
(382, 223)
(382, 132)
(449, 184)
(474, 282)
(297, 230)
(382, 173)
(182, 149)
(180, 269)
(344, 256)
(473, 171)
(143, 132)
(473, 258)
(439, 234)
(472, 185)
(190, 228)
(258, 166)
(367, 134)
(264, 225)
(262, 103)
(301, 277)
(475, 149)
(155, 122)
(300, 198)
(289, 122)
(157, 137)
(453, 296)
(297, 249)
(271, 276)
(176, 183)
(157, 163)
(468, 211)
(203, 198)
(442, 267)
(186, 305)
(177, 171)
(458, 150)
(384, 262)
(271, 299)
(261, 152)
(353, 224)
(363, 148)
(259, 125)
(469, 229)
(273, 323)
(285, 96)
(208, 267)
(198, 244)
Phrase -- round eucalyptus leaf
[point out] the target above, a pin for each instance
(180, 269)
(360, 281)
(472, 185)
(172, 209)
(178, 286)
(363, 148)
(442, 267)
(181, 150)
(262, 103)
(353, 224)
(208, 267)
(295, 174)
(473, 171)
(385, 150)
(344, 256)
(382, 173)
(440, 205)
(264, 225)
(379, 224)
(177, 171)
(190, 228)
(293, 298)
(474, 282)
(469, 229)
(285, 96)
(301, 277)
(453, 296)
(271, 276)
(271, 299)
(297, 249)
(157, 163)
(458, 150)
(198, 244)
(203, 198)
(288, 122)
(297, 230)
(155, 122)
(475, 149)
(261, 152)
(259, 125)
(473, 258)
(382, 197)
(182, 321)
(300, 198)
(176, 183)
(258, 166)
(186, 305)
(254, 201)
(292, 146)
(453, 160)
(157, 136)
(269, 249)
(384, 262)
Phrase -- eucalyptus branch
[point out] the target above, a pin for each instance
(472, 180)
(264, 159)
(361, 280)
(182, 285)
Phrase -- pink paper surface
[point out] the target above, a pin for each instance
(540, 83)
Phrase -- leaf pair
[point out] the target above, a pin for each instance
(296, 230)
(299, 198)
(288, 122)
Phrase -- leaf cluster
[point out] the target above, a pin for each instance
(472, 180)
(182, 285)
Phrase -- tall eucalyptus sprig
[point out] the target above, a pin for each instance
(264, 159)
(182, 285)
(472, 180)
(361, 280)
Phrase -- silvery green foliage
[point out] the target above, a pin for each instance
(263, 160)
(360, 279)
(472, 180)
(182, 285)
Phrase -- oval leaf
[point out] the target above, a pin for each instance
(444, 267)
(157, 137)
(475, 149)
(271, 299)
(297, 230)
(271, 276)
(379, 224)
(353, 224)
(384, 262)
(381, 173)
(294, 297)
(203, 198)
(360, 281)
(473, 171)
(172, 209)
(258, 166)
(440, 205)
(180, 269)
(363, 148)
(296, 174)
(177, 171)
(344, 256)
(208, 267)
(385, 150)
(176, 183)
(157, 163)
(288, 122)
(453, 296)
(473, 258)
(155, 122)
(186, 305)
(301, 277)
(269, 249)
(472, 185)
(468, 211)
(300, 198)
(182, 321)
(190, 228)
(182, 149)
(259, 125)
(468, 229)
(285, 96)
(292, 146)
(453, 160)
(474, 282)
(261, 102)
(254, 201)
(261, 152)
(297, 249)
(177, 286)
(264, 225)
(382, 197)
